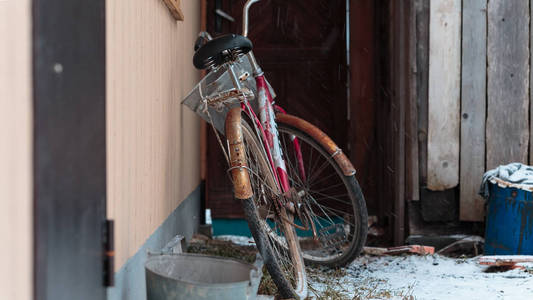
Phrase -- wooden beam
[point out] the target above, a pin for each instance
(444, 94)
(422, 76)
(473, 108)
(507, 127)
(203, 124)
(530, 87)
(412, 192)
(400, 87)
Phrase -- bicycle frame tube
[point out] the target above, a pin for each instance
(247, 108)
(297, 148)
(266, 116)
(266, 122)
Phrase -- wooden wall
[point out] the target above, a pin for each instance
(153, 142)
(16, 254)
(444, 94)
(479, 94)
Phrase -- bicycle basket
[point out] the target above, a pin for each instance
(217, 89)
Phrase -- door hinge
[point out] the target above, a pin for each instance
(109, 253)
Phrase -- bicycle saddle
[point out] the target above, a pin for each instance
(220, 50)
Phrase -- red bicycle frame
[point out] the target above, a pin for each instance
(266, 123)
(270, 136)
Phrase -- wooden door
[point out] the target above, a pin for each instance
(301, 46)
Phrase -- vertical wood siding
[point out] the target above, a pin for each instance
(422, 68)
(495, 85)
(16, 254)
(473, 108)
(153, 142)
(444, 94)
(412, 191)
(508, 82)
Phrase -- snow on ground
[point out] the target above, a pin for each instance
(415, 277)
(236, 239)
(423, 277)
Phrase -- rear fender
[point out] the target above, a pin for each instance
(325, 141)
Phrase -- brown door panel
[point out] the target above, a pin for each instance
(301, 46)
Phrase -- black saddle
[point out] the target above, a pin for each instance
(219, 50)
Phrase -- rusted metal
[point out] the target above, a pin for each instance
(504, 260)
(415, 249)
(237, 155)
(324, 140)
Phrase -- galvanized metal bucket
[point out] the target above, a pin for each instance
(201, 277)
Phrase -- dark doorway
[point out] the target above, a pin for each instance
(69, 148)
(301, 46)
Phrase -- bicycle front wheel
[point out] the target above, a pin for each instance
(280, 251)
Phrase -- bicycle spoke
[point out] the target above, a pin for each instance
(332, 210)
(335, 197)
(324, 165)
(330, 187)
(324, 179)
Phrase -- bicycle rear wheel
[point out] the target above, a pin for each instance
(333, 210)
(281, 251)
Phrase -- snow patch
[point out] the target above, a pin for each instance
(426, 277)
(236, 239)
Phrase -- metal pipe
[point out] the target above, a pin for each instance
(256, 69)
(233, 76)
(245, 16)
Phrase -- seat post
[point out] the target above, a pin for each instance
(233, 76)
(245, 16)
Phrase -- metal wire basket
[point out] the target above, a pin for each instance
(216, 94)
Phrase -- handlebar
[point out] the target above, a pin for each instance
(245, 16)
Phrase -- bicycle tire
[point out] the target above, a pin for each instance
(286, 268)
(358, 228)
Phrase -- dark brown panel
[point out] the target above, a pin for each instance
(301, 47)
(362, 135)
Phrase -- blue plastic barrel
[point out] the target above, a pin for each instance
(509, 227)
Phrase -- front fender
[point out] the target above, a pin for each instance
(237, 155)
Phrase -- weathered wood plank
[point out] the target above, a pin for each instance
(531, 90)
(399, 84)
(412, 192)
(444, 94)
(473, 108)
(422, 69)
(507, 126)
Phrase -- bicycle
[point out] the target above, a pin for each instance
(298, 189)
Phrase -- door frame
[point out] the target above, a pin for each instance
(69, 149)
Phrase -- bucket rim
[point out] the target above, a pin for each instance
(218, 258)
(506, 184)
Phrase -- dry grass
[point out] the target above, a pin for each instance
(336, 284)
(324, 283)
(224, 249)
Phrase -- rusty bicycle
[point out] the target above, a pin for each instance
(298, 189)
